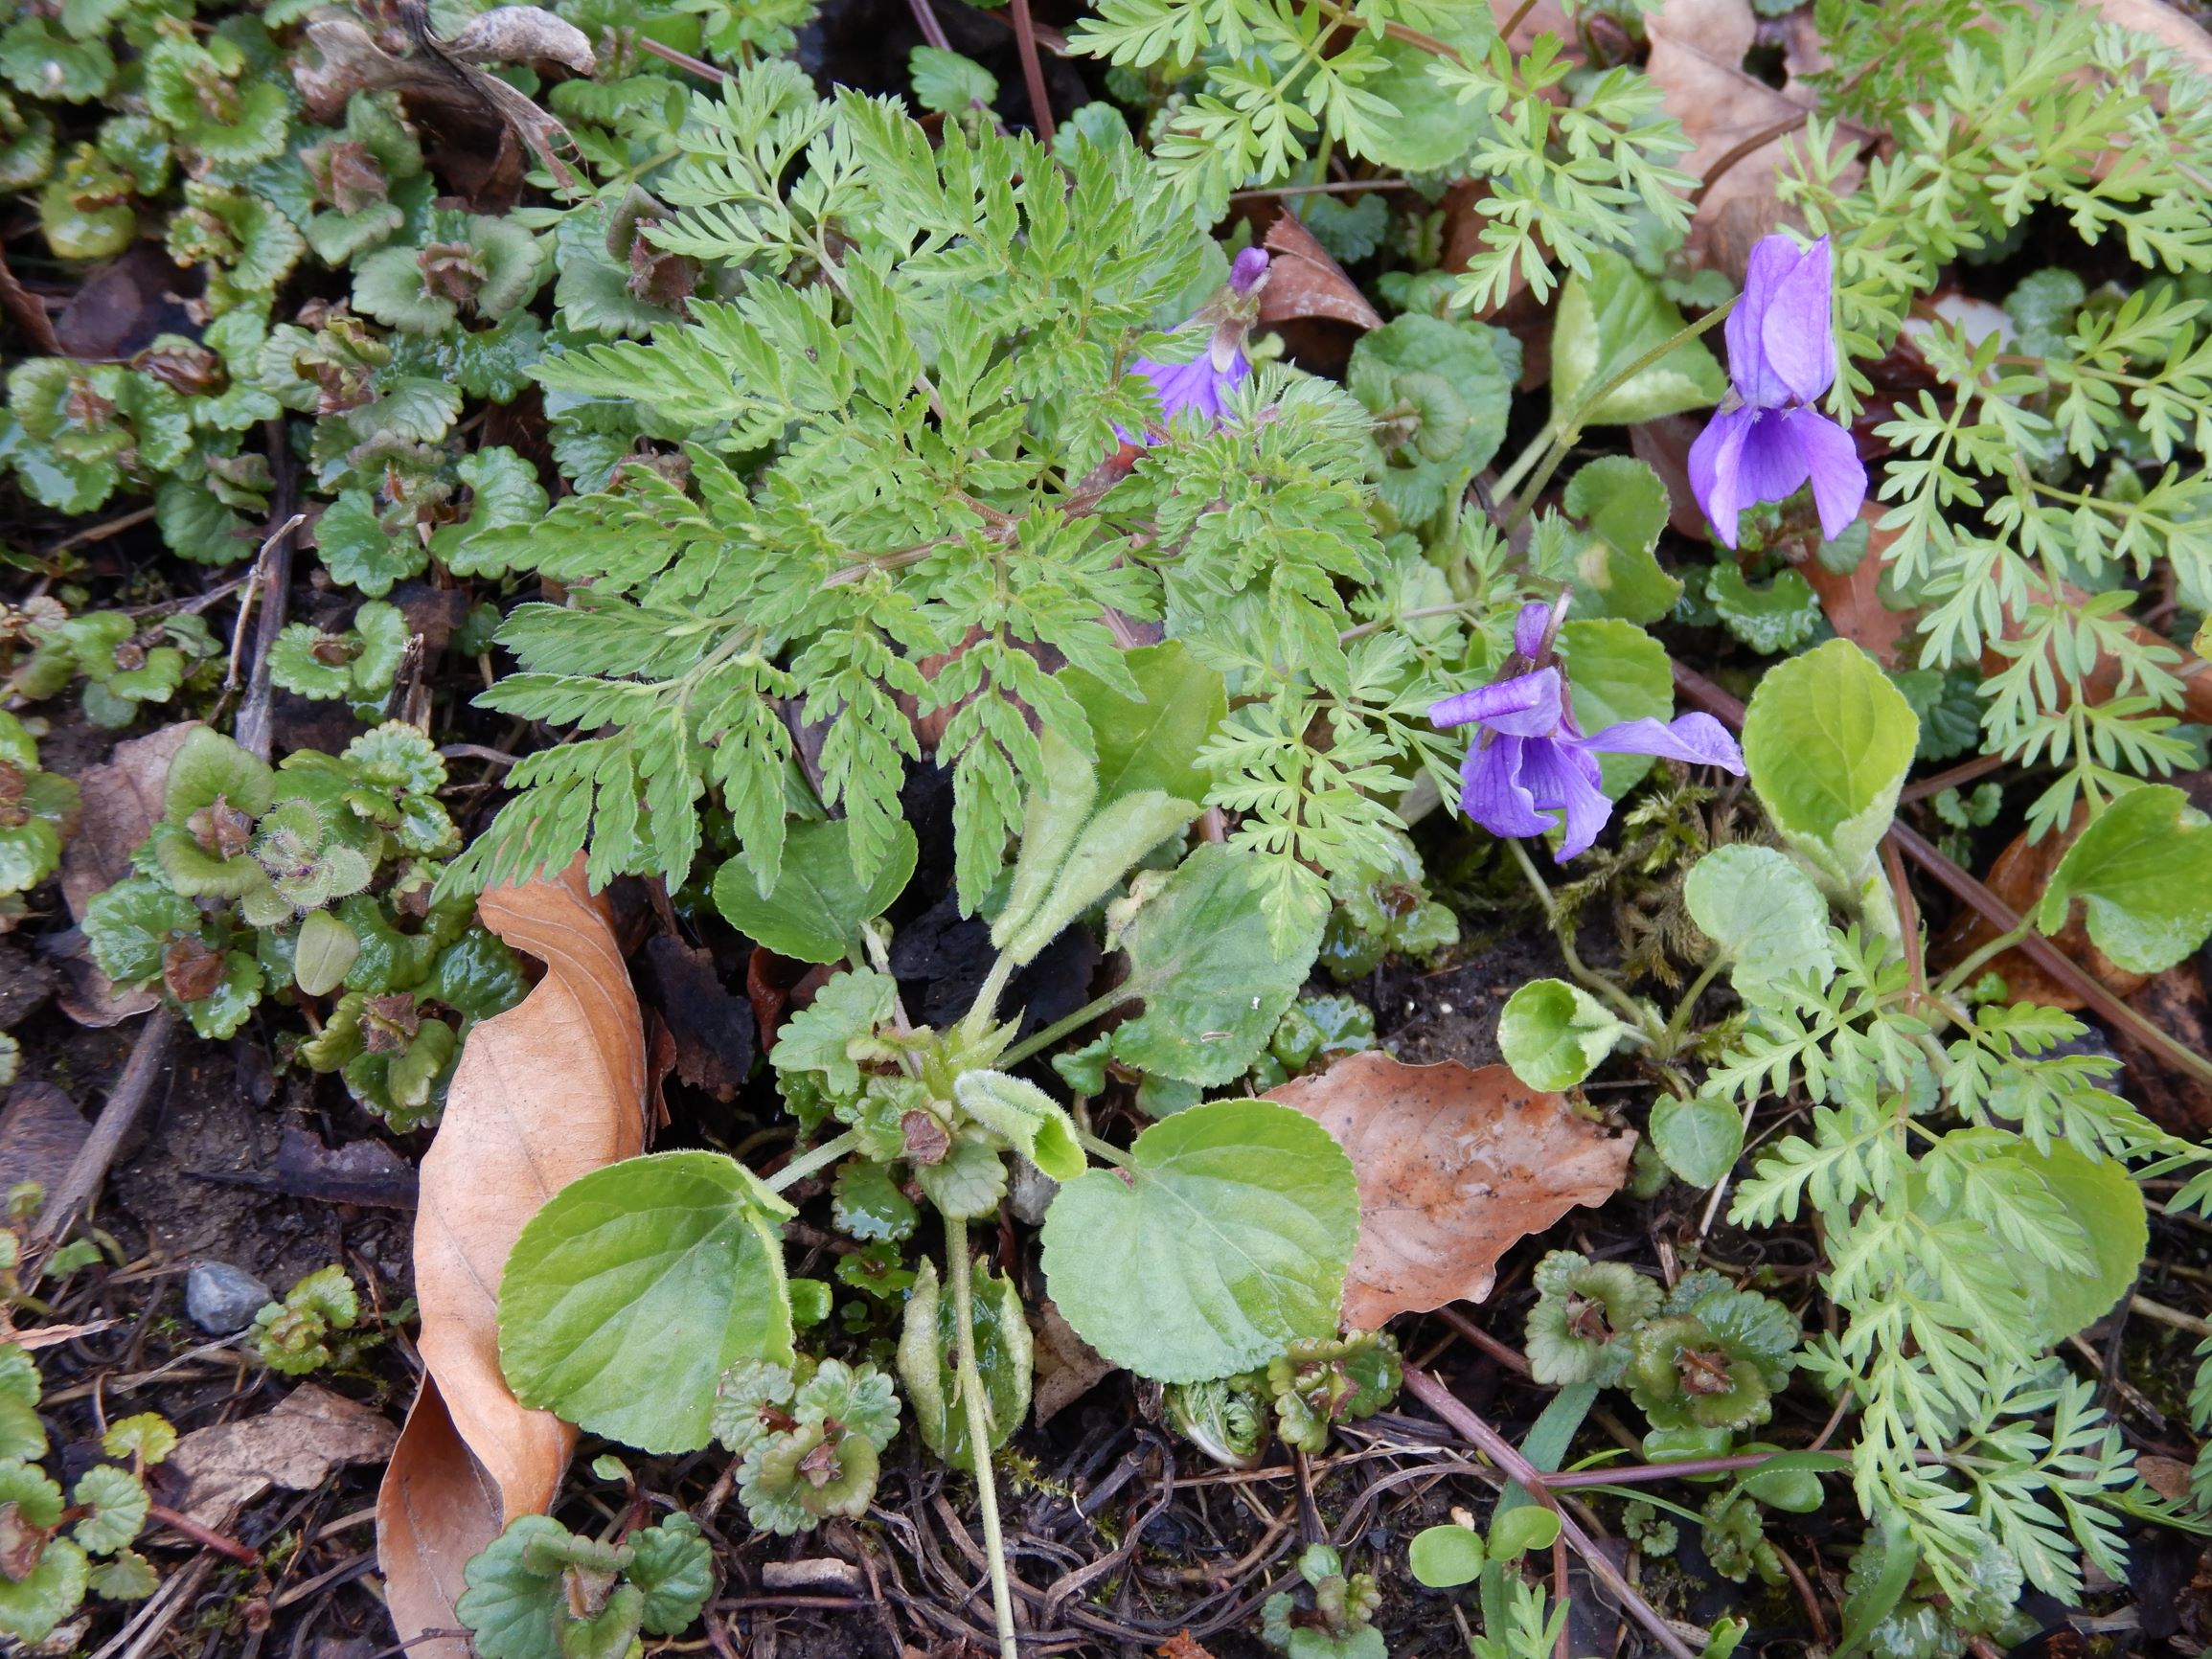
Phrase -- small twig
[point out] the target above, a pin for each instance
(1502, 1452)
(89, 1168)
(2165, 1315)
(253, 729)
(1758, 141)
(1505, 1354)
(102, 532)
(207, 1537)
(1332, 186)
(1032, 73)
(683, 60)
(192, 606)
(1965, 772)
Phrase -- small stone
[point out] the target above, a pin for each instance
(222, 1300)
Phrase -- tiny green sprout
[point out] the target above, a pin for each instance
(37, 812)
(1713, 1357)
(1338, 1624)
(146, 1439)
(1226, 1419)
(1939, 1619)
(293, 1336)
(1734, 1539)
(1318, 1383)
(1446, 1558)
(542, 1592)
(811, 1439)
(358, 662)
(1584, 1315)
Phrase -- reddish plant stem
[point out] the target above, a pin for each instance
(207, 1537)
(1502, 1452)
(1032, 73)
(683, 60)
(1639, 1474)
(932, 28)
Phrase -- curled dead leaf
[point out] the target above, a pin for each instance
(1456, 1166)
(1304, 281)
(550, 1090)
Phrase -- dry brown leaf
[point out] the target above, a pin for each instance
(1853, 602)
(1456, 1166)
(1182, 1646)
(437, 1508)
(1698, 49)
(1304, 281)
(121, 802)
(309, 1435)
(40, 1132)
(1067, 1367)
(548, 1091)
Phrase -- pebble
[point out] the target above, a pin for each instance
(222, 1300)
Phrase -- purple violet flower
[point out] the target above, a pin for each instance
(1530, 764)
(1229, 315)
(1769, 439)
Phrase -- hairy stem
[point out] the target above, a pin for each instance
(1059, 1027)
(806, 1163)
(1965, 970)
(958, 1268)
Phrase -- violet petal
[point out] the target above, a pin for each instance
(1528, 629)
(1490, 792)
(1698, 738)
(1755, 380)
(1562, 779)
(1795, 338)
(1715, 464)
(1839, 475)
(1525, 706)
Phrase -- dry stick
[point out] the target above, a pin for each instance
(128, 1097)
(1032, 73)
(161, 1514)
(1502, 1452)
(253, 728)
(2001, 916)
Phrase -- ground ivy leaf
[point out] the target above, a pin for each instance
(1607, 319)
(815, 910)
(1554, 1034)
(1763, 914)
(676, 1569)
(1227, 1236)
(636, 1286)
(1828, 740)
(118, 1506)
(1202, 958)
(2143, 873)
(1439, 394)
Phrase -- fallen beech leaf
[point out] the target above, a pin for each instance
(1455, 1167)
(298, 1444)
(1182, 1646)
(1067, 1367)
(1304, 281)
(551, 1089)
(85, 994)
(40, 1132)
(122, 799)
(437, 1508)
(1698, 49)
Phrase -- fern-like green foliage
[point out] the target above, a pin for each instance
(902, 493)
(2048, 470)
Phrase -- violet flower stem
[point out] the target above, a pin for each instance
(1565, 432)
(1561, 930)
(958, 1269)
